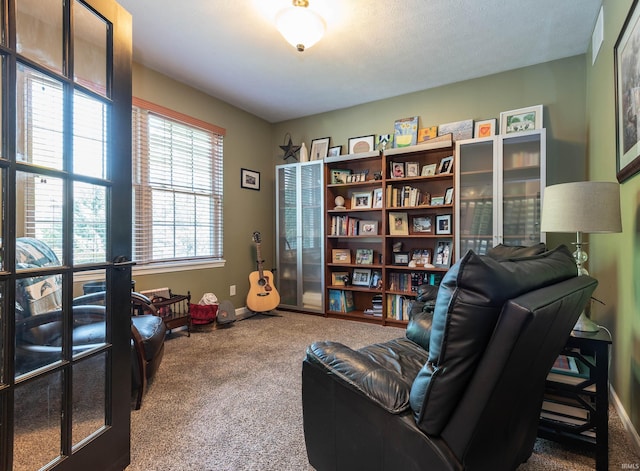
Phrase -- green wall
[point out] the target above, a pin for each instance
(615, 258)
(246, 145)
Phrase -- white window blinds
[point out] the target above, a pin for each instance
(177, 186)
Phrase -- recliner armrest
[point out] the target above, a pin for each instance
(384, 387)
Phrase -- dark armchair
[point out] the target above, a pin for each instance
(464, 388)
(39, 321)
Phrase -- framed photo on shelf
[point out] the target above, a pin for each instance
(376, 280)
(398, 224)
(437, 200)
(424, 134)
(360, 199)
(361, 277)
(422, 224)
(446, 165)
(367, 227)
(412, 169)
(522, 119)
(339, 175)
(334, 151)
(377, 198)
(443, 224)
(421, 257)
(448, 196)
(339, 278)
(341, 256)
(401, 258)
(627, 84)
(249, 179)
(442, 258)
(361, 144)
(396, 169)
(486, 128)
(319, 148)
(364, 256)
(429, 169)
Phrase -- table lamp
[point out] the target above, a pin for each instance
(582, 207)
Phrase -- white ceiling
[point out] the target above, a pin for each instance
(373, 49)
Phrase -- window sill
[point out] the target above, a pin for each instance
(183, 265)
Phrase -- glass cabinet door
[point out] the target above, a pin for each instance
(287, 214)
(522, 175)
(312, 235)
(475, 196)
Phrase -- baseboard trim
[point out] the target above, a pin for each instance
(243, 313)
(626, 421)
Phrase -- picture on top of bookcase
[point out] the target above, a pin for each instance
(361, 144)
(398, 223)
(406, 132)
(424, 134)
(522, 119)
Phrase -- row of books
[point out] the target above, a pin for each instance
(376, 306)
(406, 196)
(399, 307)
(409, 282)
(340, 300)
(344, 226)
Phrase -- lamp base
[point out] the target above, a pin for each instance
(584, 324)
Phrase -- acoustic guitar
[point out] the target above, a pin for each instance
(262, 296)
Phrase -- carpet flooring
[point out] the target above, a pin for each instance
(230, 399)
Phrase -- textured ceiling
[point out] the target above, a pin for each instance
(373, 49)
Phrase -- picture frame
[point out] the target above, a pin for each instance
(334, 151)
(361, 277)
(378, 196)
(338, 278)
(364, 256)
(421, 257)
(422, 224)
(249, 179)
(522, 119)
(341, 256)
(627, 84)
(459, 129)
(412, 169)
(443, 224)
(401, 258)
(437, 200)
(319, 148)
(367, 227)
(428, 170)
(448, 195)
(339, 176)
(405, 132)
(396, 169)
(360, 199)
(398, 223)
(443, 253)
(360, 144)
(486, 128)
(446, 165)
(383, 141)
(424, 134)
(376, 279)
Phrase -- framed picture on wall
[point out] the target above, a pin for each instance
(250, 179)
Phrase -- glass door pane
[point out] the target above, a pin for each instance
(287, 220)
(312, 235)
(521, 171)
(39, 31)
(476, 192)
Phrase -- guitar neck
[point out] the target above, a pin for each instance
(259, 260)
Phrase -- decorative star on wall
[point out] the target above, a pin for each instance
(290, 150)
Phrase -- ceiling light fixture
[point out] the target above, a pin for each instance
(300, 26)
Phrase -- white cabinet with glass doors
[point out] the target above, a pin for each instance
(500, 182)
(300, 243)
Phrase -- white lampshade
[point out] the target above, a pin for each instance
(301, 27)
(588, 207)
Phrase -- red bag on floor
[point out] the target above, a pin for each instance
(203, 313)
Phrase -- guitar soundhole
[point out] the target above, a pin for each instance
(262, 282)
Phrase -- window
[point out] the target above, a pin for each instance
(177, 187)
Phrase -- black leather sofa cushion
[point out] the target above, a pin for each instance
(382, 372)
(470, 299)
(505, 252)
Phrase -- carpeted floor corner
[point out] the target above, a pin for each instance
(230, 399)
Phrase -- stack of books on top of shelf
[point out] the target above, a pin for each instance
(340, 300)
(376, 306)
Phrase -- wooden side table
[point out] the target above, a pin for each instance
(576, 407)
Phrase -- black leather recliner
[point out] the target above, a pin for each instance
(463, 389)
